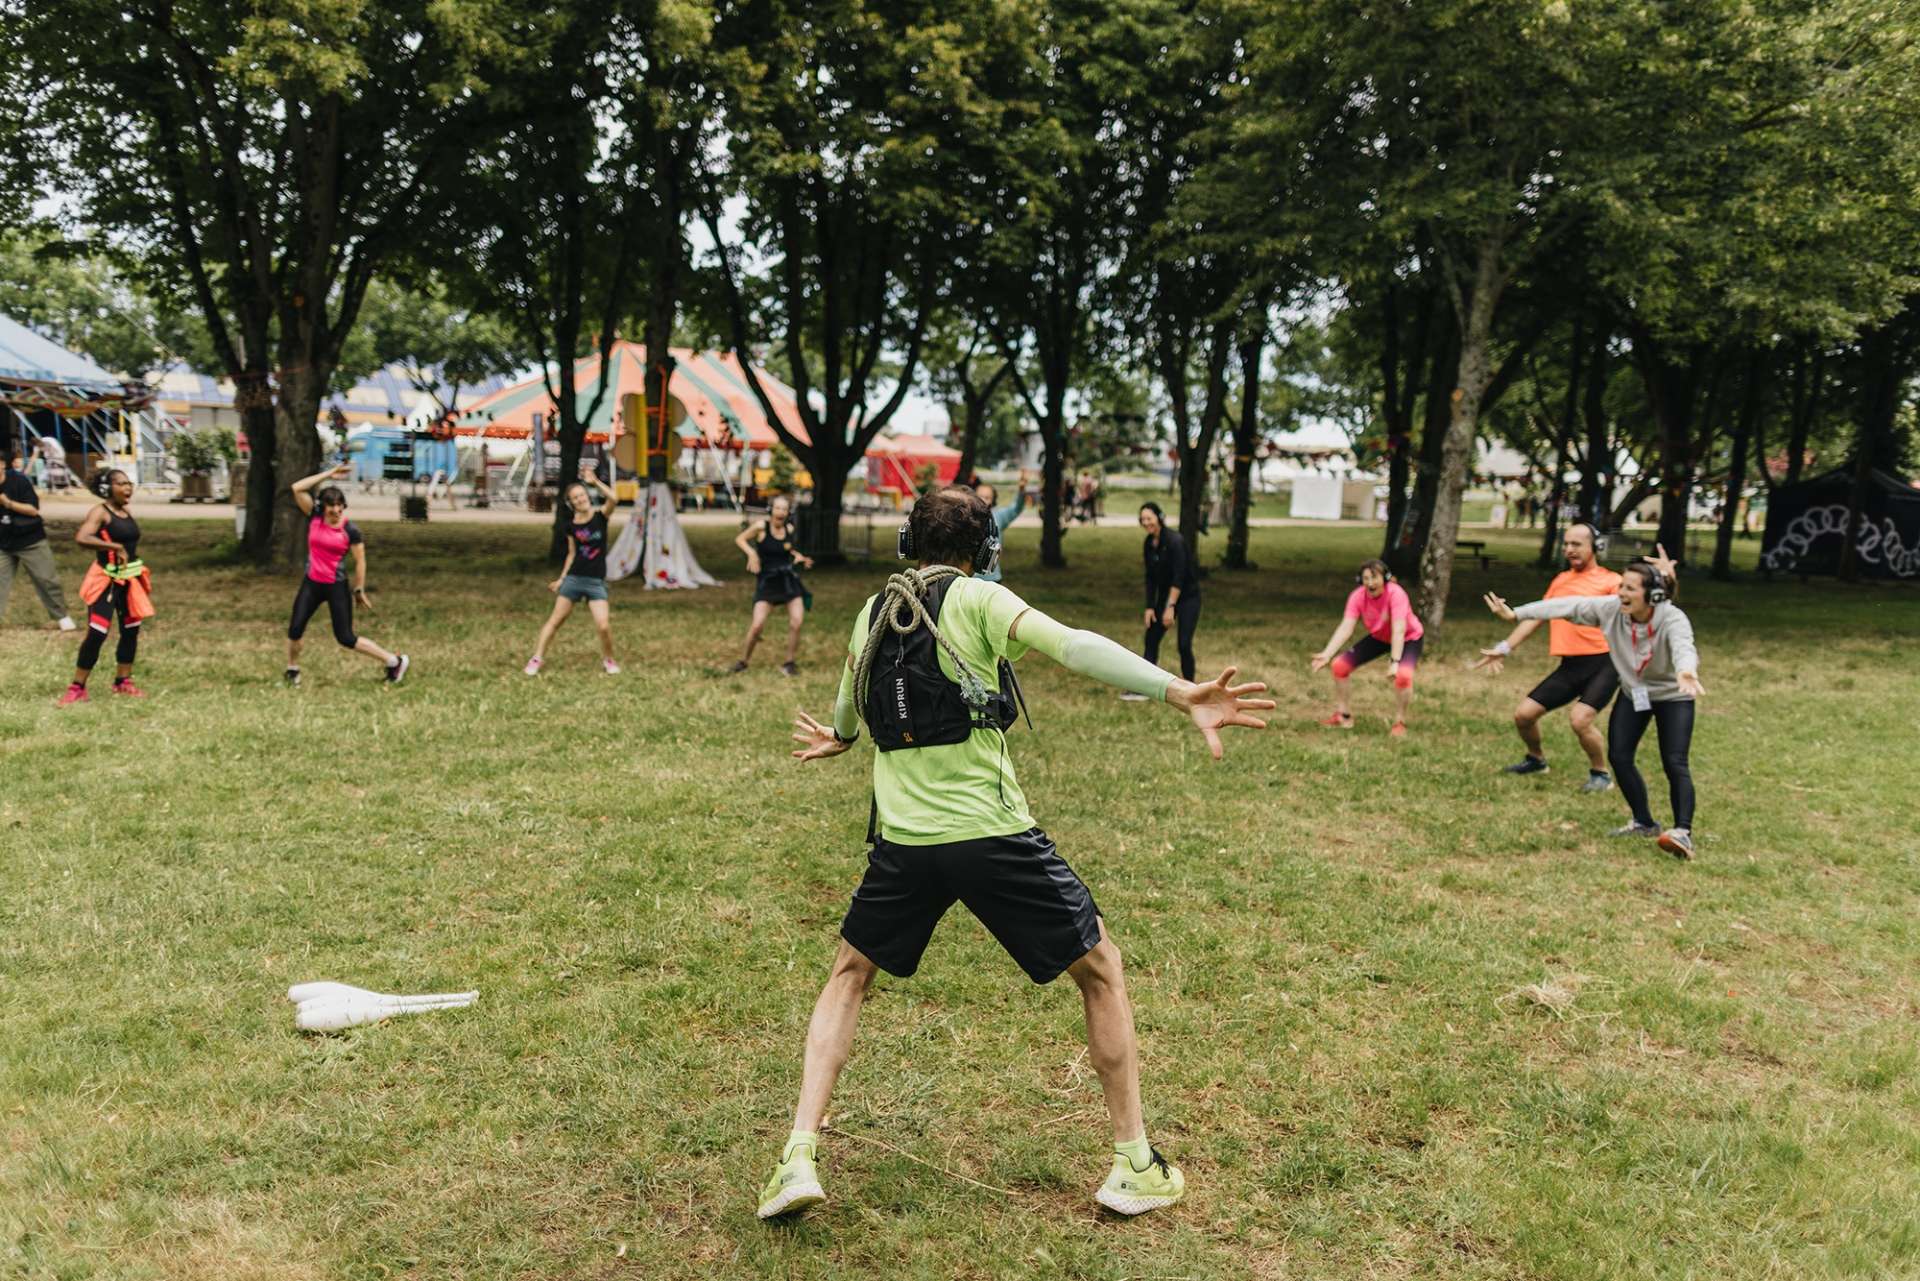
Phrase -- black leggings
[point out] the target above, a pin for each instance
(100, 621)
(338, 599)
(1186, 616)
(1675, 721)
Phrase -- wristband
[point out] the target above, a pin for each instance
(845, 742)
(1503, 649)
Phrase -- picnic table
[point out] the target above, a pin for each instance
(1477, 549)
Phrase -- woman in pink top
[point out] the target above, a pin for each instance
(1382, 605)
(330, 537)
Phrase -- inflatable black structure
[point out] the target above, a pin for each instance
(1807, 525)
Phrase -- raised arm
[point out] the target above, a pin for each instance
(1588, 611)
(609, 499)
(1212, 705)
(303, 488)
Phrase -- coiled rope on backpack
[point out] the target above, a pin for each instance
(902, 607)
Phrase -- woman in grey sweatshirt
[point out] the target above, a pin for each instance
(1651, 643)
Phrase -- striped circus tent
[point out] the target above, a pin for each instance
(708, 401)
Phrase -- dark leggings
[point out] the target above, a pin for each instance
(338, 599)
(100, 622)
(1186, 616)
(1675, 720)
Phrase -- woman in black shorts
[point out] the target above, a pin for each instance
(117, 584)
(584, 575)
(771, 558)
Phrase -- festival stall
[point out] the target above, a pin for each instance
(895, 465)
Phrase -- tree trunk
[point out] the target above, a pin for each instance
(1442, 373)
(1885, 352)
(1456, 451)
(1557, 490)
(1052, 471)
(1803, 417)
(253, 398)
(1737, 464)
(1596, 473)
(1671, 387)
(296, 447)
(1246, 432)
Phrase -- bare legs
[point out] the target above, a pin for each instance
(830, 1034)
(1110, 1039)
(796, 615)
(761, 609)
(1526, 721)
(603, 625)
(562, 606)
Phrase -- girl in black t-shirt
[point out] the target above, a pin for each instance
(584, 575)
(772, 560)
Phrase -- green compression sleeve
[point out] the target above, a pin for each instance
(1092, 655)
(846, 717)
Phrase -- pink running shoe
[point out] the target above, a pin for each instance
(613, 668)
(74, 694)
(533, 667)
(1399, 730)
(128, 688)
(1338, 721)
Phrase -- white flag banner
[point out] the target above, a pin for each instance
(654, 544)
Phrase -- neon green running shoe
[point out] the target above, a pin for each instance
(794, 1184)
(1131, 1191)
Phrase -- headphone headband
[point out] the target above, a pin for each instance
(986, 557)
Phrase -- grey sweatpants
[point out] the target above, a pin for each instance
(37, 560)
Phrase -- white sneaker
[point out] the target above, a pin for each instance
(66, 625)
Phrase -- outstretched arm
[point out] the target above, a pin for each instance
(1494, 657)
(1212, 705)
(818, 741)
(1339, 638)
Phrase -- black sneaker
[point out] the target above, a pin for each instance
(737, 668)
(293, 678)
(1597, 782)
(789, 669)
(1528, 765)
(397, 669)
(1636, 829)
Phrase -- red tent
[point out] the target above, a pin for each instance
(893, 462)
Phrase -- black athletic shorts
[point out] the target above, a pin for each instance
(1018, 886)
(1587, 677)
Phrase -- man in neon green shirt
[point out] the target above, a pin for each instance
(951, 824)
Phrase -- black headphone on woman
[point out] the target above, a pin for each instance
(1360, 575)
(1659, 590)
(986, 558)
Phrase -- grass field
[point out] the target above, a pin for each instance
(1400, 1015)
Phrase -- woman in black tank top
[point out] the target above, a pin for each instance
(772, 560)
(117, 586)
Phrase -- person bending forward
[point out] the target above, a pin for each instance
(1392, 629)
(950, 823)
(1651, 643)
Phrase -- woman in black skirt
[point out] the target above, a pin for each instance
(772, 560)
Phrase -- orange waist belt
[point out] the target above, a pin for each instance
(139, 590)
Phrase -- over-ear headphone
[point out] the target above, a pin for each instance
(1360, 575)
(986, 558)
(1659, 589)
(1593, 533)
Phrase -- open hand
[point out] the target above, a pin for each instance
(1690, 684)
(817, 741)
(1491, 661)
(1215, 704)
(341, 471)
(1499, 607)
(1664, 563)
